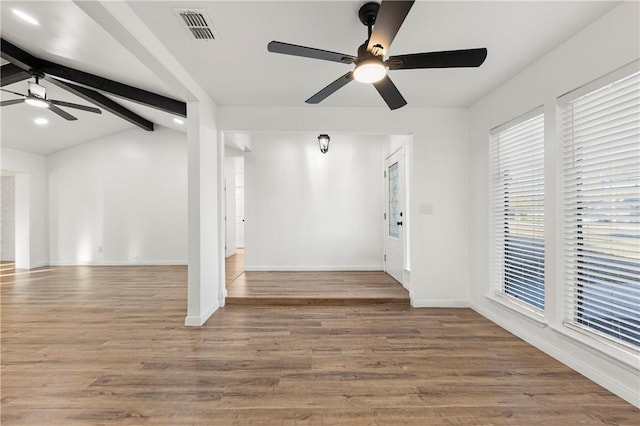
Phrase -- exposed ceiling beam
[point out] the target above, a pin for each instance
(104, 102)
(11, 73)
(29, 62)
(125, 91)
(19, 57)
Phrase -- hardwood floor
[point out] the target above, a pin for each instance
(315, 288)
(7, 268)
(308, 288)
(234, 266)
(107, 345)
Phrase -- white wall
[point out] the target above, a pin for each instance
(31, 206)
(7, 218)
(305, 210)
(121, 199)
(439, 176)
(600, 48)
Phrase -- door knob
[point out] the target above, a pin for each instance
(399, 223)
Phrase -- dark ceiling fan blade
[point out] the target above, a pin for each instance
(330, 89)
(446, 59)
(76, 106)
(390, 93)
(390, 17)
(11, 102)
(61, 113)
(15, 93)
(309, 52)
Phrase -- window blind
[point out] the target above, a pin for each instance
(517, 154)
(601, 165)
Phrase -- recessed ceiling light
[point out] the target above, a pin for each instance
(41, 121)
(25, 17)
(179, 121)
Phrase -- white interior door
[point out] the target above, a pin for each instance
(240, 210)
(395, 216)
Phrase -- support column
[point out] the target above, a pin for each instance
(204, 165)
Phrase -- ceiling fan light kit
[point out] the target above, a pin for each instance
(36, 102)
(370, 70)
(383, 22)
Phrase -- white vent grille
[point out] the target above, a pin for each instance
(197, 23)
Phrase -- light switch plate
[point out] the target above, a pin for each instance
(425, 208)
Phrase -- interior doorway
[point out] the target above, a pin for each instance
(313, 221)
(239, 192)
(395, 215)
(234, 150)
(7, 223)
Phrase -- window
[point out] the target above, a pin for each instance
(394, 214)
(517, 155)
(601, 168)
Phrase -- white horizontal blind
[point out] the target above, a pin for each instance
(517, 155)
(601, 162)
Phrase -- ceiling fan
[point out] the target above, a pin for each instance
(37, 96)
(383, 22)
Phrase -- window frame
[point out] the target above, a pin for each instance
(625, 354)
(498, 295)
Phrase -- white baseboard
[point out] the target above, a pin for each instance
(439, 303)
(406, 279)
(630, 395)
(121, 263)
(198, 321)
(311, 268)
(38, 265)
(223, 298)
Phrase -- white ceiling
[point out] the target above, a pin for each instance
(66, 35)
(236, 69)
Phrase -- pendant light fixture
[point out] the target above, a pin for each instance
(323, 140)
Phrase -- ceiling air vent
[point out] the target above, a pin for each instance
(198, 23)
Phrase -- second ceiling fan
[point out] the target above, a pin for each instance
(383, 22)
(37, 96)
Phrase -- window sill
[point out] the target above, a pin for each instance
(522, 311)
(622, 356)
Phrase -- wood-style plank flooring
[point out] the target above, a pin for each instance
(234, 266)
(107, 346)
(309, 288)
(7, 268)
(315, 288)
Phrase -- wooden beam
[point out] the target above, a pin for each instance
(19, 57)
(28, 62)
(125, 91)
(104, 102)
(11, 73)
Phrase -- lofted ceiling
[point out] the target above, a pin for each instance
(236, 68)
